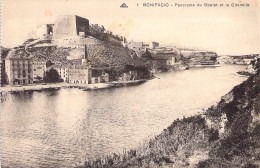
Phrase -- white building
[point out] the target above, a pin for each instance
(39, 68)
(18, 67)
(63, 72)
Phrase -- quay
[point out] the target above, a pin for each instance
(39, 87)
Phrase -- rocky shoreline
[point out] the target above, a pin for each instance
(226, 135)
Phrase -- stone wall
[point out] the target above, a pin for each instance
(70, 26)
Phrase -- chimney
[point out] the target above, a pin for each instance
(85, 51)
(85, 58)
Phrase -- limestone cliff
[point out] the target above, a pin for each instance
(239, 60)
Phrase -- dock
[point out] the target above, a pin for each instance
(85, 87)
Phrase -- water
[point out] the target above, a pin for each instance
(62, 128)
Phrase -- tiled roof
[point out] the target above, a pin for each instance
(19, 53)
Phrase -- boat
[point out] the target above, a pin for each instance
(212, 66)
(130, 82)
(97, 86)
(209, 64)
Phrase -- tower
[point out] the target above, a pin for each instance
(70, 26)
(84, 60)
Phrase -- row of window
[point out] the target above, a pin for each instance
(21, 71)
(20, 62)
(21, 76)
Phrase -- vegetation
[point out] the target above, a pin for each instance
(51, 76)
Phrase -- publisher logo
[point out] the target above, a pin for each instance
(123, 5)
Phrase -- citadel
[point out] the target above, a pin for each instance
(72, 50)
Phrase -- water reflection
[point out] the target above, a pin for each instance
(61, 128)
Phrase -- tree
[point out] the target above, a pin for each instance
(51, 76)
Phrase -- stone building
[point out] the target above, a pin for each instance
(43, 31)
(70, 26)
(63, 71)
(18, 67)
(103, 78)
(39, 68)
(127, 76)
(153, 44)
(80, 74)
(135, 45)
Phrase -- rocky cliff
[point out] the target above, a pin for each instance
(239, 60)
(194, 58)
(226, 135)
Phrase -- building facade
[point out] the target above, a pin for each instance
(79, 74)
(39, 69)
(18, 68)
(103, 78)
(64, 73)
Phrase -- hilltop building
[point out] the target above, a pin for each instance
(18, 67)
(43, 31)
(135, 45)
(70, 26)
(153, 44)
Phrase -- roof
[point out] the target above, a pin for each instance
(79, 67)
(19, 53)
(162, 56)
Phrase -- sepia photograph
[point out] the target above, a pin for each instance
(130, 84)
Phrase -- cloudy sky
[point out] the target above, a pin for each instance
(226, 30)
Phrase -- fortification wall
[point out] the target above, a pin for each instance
(101, 54)
(65, 27)
(82, 26)
(70, 26)
(115, 41)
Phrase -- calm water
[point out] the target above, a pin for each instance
(61, 128)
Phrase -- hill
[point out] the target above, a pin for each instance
(101, 54)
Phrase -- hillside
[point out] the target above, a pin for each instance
(226, 135)
(101, 54)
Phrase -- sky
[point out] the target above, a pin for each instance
(225, 30)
